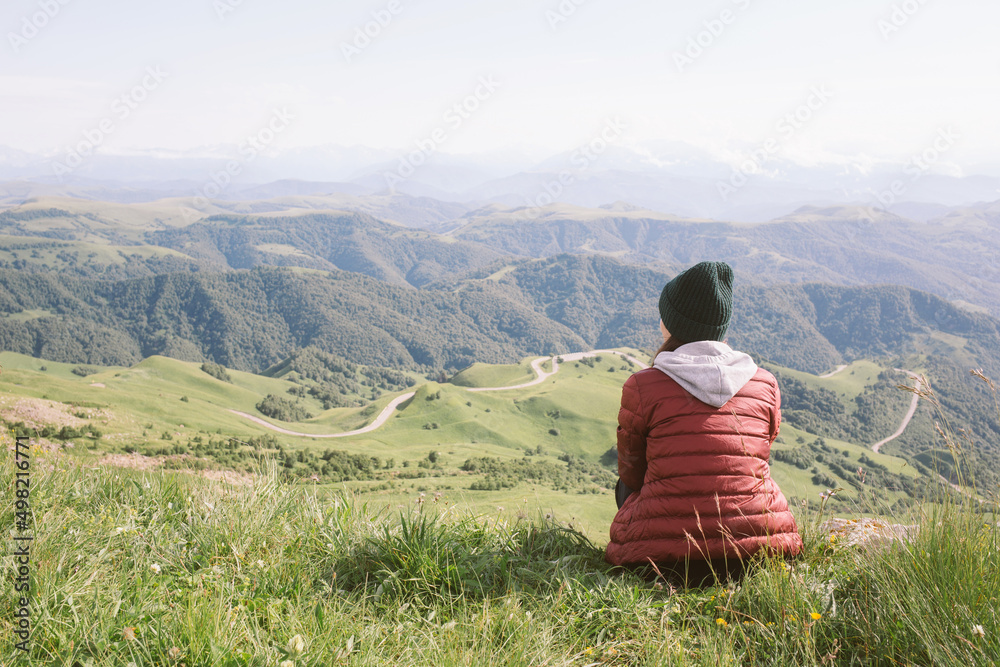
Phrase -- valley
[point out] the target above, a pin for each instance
(545, 445)
(451, 357)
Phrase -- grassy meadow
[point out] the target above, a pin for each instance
(162, 406)
(477, 539)
(167, 568)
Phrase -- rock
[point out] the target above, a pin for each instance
(867, 531)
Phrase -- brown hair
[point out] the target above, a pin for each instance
(669, 345)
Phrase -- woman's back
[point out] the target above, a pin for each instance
(701, 471)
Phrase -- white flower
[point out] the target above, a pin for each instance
(296, 645)
(287, 663)
(170, 506)
(977, 631)
(155, 568)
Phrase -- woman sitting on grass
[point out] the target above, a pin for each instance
(695, 493)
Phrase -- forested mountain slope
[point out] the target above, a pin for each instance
(955, 257)
(249, 320)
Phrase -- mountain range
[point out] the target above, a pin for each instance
(672, 178)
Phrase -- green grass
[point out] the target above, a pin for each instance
(847, 384)
(571, 413)
(495, 375)
(164, 568)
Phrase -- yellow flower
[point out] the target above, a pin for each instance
(816, 616)
(721, 621)
(588, 651)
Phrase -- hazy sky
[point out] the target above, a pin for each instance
(228, 64)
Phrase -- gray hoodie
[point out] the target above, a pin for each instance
(709, 370)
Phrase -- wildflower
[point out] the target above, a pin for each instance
(977, 631)
(611, 651)
(721, 621)
(129, 633)
(170, 506)
(816, 616)
(589, 650)
(296, 645)
(287, 663)
(155, 568)
(174, 653)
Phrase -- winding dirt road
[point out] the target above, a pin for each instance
(909, 413)
(536, 366)
(542, 376)
(383, 416)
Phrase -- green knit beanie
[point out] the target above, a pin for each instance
(698, 303)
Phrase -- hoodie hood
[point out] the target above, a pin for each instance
(709, 370)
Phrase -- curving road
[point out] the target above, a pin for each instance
(383, 416)
(833, 372)
(542, 375)
(909, 413)
(536, 366)
(381, 419)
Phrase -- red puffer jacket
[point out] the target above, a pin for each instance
(703, 482)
